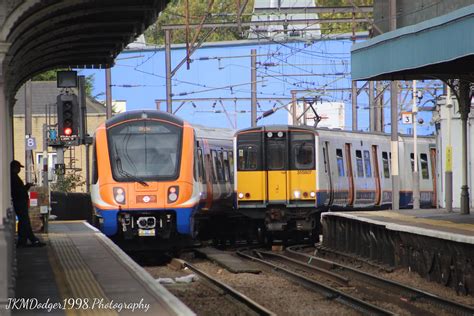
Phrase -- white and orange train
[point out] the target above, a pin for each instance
(157, 180)
(287, 175)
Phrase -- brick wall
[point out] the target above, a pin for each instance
(93, 121)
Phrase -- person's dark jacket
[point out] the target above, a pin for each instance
(19, 189)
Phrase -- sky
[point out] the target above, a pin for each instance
(224, 71)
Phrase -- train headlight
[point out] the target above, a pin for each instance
(241, 195)
(173, 193)
(297, 194)
(119, 195)
(280, 134)
(312, 194)
(269, 134)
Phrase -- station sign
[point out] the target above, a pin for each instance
(407, 117)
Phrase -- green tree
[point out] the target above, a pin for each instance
(67, 182)
(221, 11)
(225, 11)
(51, 75)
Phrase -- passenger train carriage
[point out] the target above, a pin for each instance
(287, 175)
(155, 176)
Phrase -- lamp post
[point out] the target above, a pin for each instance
(416, 179)
(449, 156)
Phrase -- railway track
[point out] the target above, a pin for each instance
(408, 298)
(327, 291)
(248, 305)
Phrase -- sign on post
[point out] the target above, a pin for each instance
(407, 117)
(30, 143)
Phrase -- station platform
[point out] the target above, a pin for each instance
(82, 272)
(436, 244)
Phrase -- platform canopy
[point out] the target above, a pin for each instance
(439, 48)
(39, 35)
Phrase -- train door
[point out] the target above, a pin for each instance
(434, 199)
(376, 175)
(327, 170)
(350, 174)
(276, 153)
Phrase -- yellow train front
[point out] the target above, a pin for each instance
(276, 180)
(149, 181)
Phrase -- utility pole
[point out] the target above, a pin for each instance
(253, 79)
(108, 92)
(169, 101)
(394, 121)
(371, 107)
(28, 130)
(464, 108)
(416, 179)
(83, 123)
(293, 107)
(354, 83)
(448, 177)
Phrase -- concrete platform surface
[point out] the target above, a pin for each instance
(82, 272)
(435, 223)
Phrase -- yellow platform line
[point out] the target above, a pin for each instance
(74, 278)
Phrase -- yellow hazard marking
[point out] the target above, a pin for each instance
(449, 158)
(74, 278)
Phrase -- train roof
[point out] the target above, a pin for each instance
(144, 114)
(322, 130)
(213, 132)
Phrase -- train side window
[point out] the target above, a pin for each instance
(368, 167)
(225, 161)
(412, 160)
(214, 166)
(325, 160)
(386, 169)
(425, 173)
(219, 168)
(230, 154)
(202, 172)
(340, 162)
(248, 156)
(95, 171)
(360, 164)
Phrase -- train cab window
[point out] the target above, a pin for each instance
(276, 156)
(302, 151)
(385, 165)
(425, 173)
(340, 162)
(360, 164)
(248, 158)
(368, 167)
(145, 150)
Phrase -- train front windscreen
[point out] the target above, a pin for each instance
(145, 150)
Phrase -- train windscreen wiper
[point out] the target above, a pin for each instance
(118, 162)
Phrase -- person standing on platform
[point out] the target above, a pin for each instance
(20, 201)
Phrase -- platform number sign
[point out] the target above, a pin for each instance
(407, 117)
(30, 143)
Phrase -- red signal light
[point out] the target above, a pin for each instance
(68, 131)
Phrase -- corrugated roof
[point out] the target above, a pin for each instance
(437, 48)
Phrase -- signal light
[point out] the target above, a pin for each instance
(68, 115)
